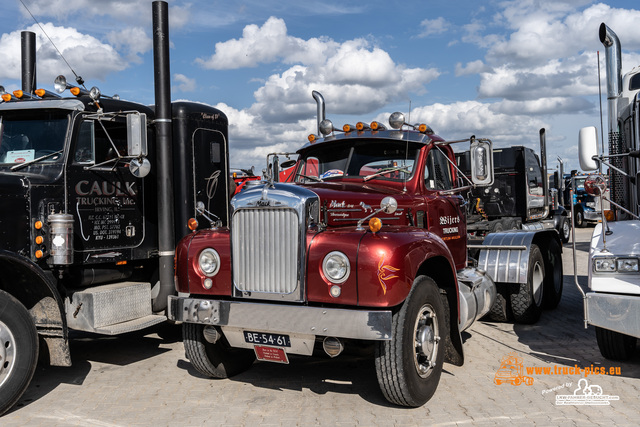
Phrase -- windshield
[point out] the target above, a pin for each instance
(28, 135)
(387, 160)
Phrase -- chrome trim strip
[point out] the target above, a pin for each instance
(287, 319)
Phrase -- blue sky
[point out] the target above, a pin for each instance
(496, 69)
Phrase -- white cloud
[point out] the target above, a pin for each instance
(185, 84)
(264, 45)
(88, 56)
(134, 40)
(474, 67)
(430, 27)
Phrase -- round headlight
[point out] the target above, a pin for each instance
(336, 267)
(209, 262)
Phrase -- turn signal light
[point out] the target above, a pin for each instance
(75, 91)
(192, 224)
(608, 214)
(375, 224)
(362, 126)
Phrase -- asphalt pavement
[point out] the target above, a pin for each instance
(144, 379)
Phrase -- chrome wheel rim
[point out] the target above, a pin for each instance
(426, 340)
(537, 279)
(7, 352)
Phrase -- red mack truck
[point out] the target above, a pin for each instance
(613, 303)
(369, 242)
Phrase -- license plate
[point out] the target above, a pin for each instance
(266, 338)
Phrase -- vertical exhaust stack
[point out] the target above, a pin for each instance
(543, 164)
(162, 83)
(613, 58)
(28, 44)
(320, 107)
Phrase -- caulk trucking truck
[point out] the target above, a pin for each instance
(613, 303)
(368, 243)
(90, 189)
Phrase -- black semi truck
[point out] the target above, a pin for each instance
(520, 197)
(95, 191)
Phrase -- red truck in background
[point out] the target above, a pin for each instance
(368, 243)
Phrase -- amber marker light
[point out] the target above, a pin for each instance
(608, 214)
(375, 224)
(347, 128)
(192, 224)
(75, 91)
(123, 262)
(39, 240)
(422, 128)
(6, 97)
(40, 92)
(18, 93)
(39, 254)
(311, 138)
(38, 225)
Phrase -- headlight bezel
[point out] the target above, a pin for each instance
(209, 255)
(329, 263)
(614, 264)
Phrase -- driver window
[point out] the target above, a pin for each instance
(99, 142)
(437, 174)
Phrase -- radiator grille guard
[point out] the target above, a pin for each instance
(268, 232)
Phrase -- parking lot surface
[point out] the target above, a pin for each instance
(144, 379)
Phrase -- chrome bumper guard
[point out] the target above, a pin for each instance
(619, 313)
(277, 318)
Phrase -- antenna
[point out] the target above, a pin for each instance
(79, 79)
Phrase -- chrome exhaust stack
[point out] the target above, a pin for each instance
(320, 107)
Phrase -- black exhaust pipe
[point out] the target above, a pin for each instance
(162, 77)
(28, 44)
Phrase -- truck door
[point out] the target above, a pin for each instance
(105, 199)
(444, 211)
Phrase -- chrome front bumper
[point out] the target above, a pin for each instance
(287, 319)
(620, 313)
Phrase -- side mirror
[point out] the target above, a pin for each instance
(588, 148)
(389, 205)
(136, 135)
(481, 156)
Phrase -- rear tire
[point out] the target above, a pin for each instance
(410, 364)
(18, 350)
(526, 304)
(217, 360)
(614, 345)
(499, 311)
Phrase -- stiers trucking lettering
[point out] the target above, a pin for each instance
(89, 189)
(368, 242)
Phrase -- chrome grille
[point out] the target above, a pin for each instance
(265, 250)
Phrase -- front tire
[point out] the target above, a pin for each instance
(579, 219)
(565, 230)
(18, 350)
(217, 360)
(526, 304)
(614, 345)
(410, 364)
(553, 278)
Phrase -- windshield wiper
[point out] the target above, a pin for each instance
(387, 170)
(30, 162)
(311, 178)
